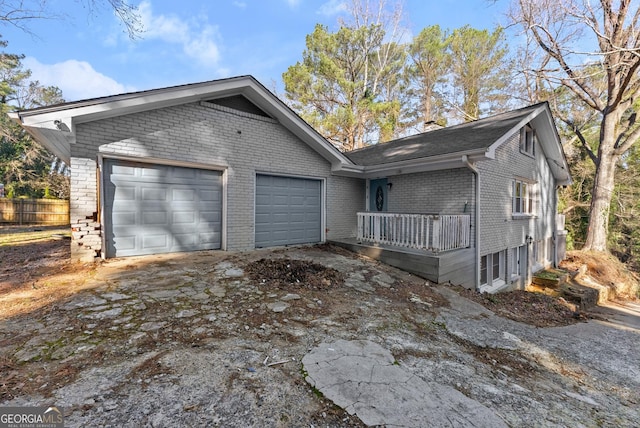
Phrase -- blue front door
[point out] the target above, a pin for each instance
(378, 193)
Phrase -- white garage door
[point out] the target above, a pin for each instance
(288, 211)
(152, 209)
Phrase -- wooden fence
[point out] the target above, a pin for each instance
(34, 211)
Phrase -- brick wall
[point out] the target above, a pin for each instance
(499, 229)
(440, 192)
(86, 241)
(437, 192)
(200, 133)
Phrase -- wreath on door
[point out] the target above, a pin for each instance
(379, 198)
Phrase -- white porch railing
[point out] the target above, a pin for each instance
(422, 231)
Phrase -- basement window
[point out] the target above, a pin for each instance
(492, 269)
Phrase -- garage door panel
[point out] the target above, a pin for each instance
(213, 176)
(123, 170)
(123, 218)
(209, 196)
(183, 195)
(187, 173)
(126, 242)
(288, 211)
(179, 217)
(154, 194)
(209, 238)
(184, 240)
(159, 208)
(125, 193)
(154, 218)
(154, 171)
(312, 217)
(280, 200)
(214, 217)
(280, 219)
(153, 242)
(297, 201)
(297, 217)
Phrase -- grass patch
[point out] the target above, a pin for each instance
(11, 235)
(551, 274)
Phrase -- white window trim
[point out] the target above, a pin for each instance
(515, 264)
(492, 283)
(526, 133)
(525, 205)
(486, 264)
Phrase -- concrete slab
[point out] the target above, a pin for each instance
(621, 314)
(364, 379)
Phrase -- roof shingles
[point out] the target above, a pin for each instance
(468, 137)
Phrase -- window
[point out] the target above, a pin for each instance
(523, 197)
(528, 141)
(516, 270)
(497, 264)
(483, 270)
(492, 269)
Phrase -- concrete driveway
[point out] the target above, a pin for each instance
(191, 340)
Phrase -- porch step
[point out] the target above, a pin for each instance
(550, 278)
(558, 282)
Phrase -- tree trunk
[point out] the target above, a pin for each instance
(603, 185)
(598, 229)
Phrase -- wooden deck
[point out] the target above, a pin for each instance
(456, 267)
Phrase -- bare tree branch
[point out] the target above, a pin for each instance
(20, 13)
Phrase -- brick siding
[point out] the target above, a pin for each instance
(438, 192)
(499, 230)
(201, 133)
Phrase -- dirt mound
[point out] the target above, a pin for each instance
(291, 273)
(606, 270)
(532, 308)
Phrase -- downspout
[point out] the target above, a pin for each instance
(474, 170)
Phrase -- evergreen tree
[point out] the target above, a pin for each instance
(26, 169)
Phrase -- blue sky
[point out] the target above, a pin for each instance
(189, 41)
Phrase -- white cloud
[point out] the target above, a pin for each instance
(333, 7)
(293, 3)
(168, 28)
(77, 79)
(203, 47)
(198, 42)
(240, 4)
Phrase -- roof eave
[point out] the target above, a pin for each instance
(516, 128)
(65, 117)
(424, 164)
(551, 143)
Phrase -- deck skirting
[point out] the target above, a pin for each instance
(455, 267)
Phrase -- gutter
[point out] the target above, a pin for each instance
(408, 166)
(474, 170)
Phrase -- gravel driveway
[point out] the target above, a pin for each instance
(192, 340)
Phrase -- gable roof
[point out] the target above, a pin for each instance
(453, 146)
(54, 126)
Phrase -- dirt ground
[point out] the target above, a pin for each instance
(216, 339)
(38, 266)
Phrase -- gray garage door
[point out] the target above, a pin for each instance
(288, 211)
(152, 209)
